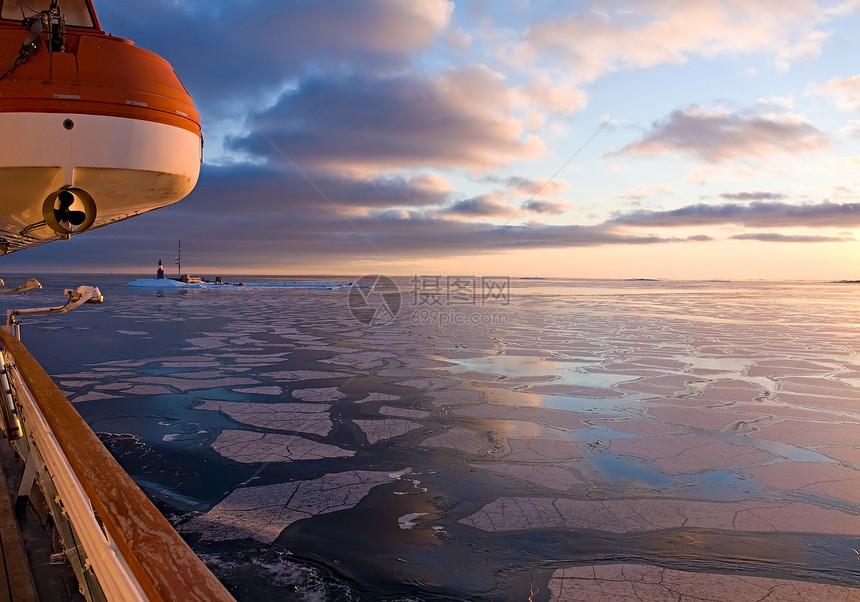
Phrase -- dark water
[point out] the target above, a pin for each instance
(488, 435)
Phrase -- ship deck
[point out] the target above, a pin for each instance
(16, 584)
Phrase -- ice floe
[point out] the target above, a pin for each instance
(93, 396)
(378, 397)
(323, 394)
(380, 430)
(630, 581)
(299, 417)
(272, 390)
(192, 384)
(626, 516)
(689, 453)
(403, 412)
(407, 521)
(294, 375)
(250, 447)
(261, 513)
(548, 476)
(462, 439)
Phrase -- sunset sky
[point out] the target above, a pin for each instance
(664, 139)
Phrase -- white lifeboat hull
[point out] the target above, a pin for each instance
(127, 166)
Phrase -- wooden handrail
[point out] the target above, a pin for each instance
(163, 564)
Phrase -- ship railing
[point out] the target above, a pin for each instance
(120, 545)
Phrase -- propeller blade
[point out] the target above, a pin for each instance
(76, 218)
(66, 199)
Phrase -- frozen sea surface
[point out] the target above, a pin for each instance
(587, 440)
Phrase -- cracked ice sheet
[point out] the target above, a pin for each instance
(378, 397)
(688, 453)
(293, 375)
(380, 430)
(668, 385)
(146, 390)
(249, 447)
(834, 481)
(808, 432)
(279, 416)
(403, 412)
(636, 582)
(548, 476)
(712, 420)
(261, 512)
(206, 342)
(557, 418)
(634, 426)
(189, 384)
(428, 383)
(462, 439)
(543, 450)
(319, 395)
(626, 516)
(94, 396)
(455, 397)
(273, 390)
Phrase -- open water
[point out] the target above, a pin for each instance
(481, 438)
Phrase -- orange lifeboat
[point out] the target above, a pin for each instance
(95, 129)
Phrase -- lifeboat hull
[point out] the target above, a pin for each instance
(95, 131)
(127, 166)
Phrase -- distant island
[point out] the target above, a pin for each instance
(845, 281)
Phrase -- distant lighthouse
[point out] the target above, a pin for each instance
(159, 273)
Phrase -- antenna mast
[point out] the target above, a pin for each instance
(179, 260)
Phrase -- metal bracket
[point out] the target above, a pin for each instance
(30, 285)
(77, 297)
(27, 480)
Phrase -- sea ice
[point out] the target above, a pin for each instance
(378, 397)
(543, 450)
(828, 479)
(626, 516)
(93, 396)
(403, 412)
(551, 417)
(300, 417)
(319, 395)
(251, 447)
(146, 390)
(263, 512)
(407, 521)
(634, 582)
(688, 453)
(189, 384)
(273, 390)
(548, 476)
(707, 419)
(206, 342)
(294, 375)
(380, 430)
(462, 439)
